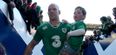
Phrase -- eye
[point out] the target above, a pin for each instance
(54, 9)
(79, 12)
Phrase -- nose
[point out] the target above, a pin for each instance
(51, 11)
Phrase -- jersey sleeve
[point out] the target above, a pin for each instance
(38, 35)
(69, 26)
(81, 25)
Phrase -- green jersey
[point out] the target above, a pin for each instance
(76, 41)
(53, 37)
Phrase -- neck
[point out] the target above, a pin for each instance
(54, 22)
(78, 20)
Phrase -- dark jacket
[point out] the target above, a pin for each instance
(7, 1)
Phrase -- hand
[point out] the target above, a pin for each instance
(65, 21)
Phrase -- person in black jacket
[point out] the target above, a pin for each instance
(11, 5)
(113, 27)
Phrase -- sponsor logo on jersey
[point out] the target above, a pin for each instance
(45, 27)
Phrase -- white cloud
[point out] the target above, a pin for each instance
(95, 8)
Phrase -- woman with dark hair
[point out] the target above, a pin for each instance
(36, 14)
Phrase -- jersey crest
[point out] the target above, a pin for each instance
(64, 30)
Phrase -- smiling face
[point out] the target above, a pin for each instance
(53, 11)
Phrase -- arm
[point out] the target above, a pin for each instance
(80, 29)
(29, 48)
(32, 44)
(77, 32)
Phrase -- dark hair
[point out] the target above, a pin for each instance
(103, 18)
(34, 4)
(81, 8)
(29, 1)
(114, 11)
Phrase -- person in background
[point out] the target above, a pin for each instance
(39, 15)
(75, 36)
(78, 30)
(110, 20)
(34, 16)
(52, 33)
(28, 16)
(19, 4)
(113, 27)
(105, 27)
(11, 5)
(114, 13)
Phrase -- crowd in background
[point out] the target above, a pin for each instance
(32, 16)
(31, 12)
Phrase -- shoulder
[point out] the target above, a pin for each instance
(80, 23)
(66, 24)
(42, 26)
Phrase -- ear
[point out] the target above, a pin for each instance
(84, 17)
